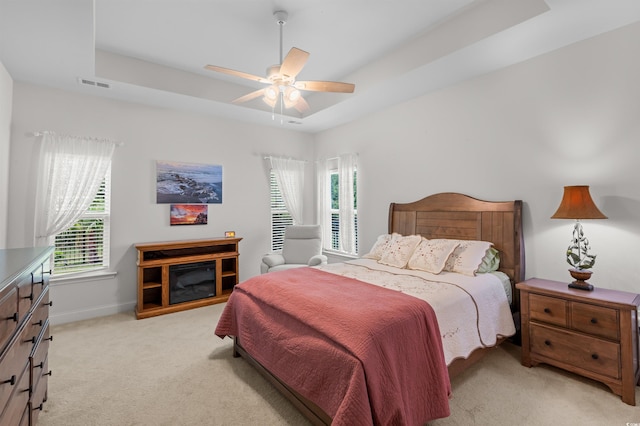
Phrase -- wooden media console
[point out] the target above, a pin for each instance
(178, 275)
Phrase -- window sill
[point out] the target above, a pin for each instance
(87, 276)
(339, 254)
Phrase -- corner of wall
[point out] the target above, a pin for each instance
(6, 105)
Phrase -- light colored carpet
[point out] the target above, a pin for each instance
(172, 370)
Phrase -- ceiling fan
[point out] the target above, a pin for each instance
(281, 78)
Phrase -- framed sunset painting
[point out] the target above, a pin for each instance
(188, 214)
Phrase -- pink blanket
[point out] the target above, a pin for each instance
(365, 355)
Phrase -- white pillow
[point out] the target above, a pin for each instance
(378, 247)
(467, 257)
(399, 250)
(432, 255)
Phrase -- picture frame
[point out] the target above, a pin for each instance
(188, 214)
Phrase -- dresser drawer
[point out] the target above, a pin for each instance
(589, 353)
(25, 296)
(15, 410)
(12, 364)
(8, 315)
(40, 313)
(548, 309)
(596, 320)
(39, 389)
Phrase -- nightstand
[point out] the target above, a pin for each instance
(591, 333)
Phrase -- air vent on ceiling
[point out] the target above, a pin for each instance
(87, 82)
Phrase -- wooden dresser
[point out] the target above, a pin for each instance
(24, 333)
(591, 333)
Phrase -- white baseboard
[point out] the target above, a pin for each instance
(99, 311)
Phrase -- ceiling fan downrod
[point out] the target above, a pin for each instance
(281, 19)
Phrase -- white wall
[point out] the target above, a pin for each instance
(149, 134)
(570, 117)
(6, 99)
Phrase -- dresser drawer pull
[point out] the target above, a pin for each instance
(594, 356)
(11, 381)
(13, 317)
(50, 338)
(547, 310)
(547, 342)
(48, 303)
(39, 365)
(32, 340)
(47, 374)
(39, 407)
(594, 320)
(30, 297)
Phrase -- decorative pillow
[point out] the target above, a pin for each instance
(466, 258)
(378, 247)
(399, 250)
(490, 261)
(432, 255)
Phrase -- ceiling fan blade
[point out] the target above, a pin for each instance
(248, 96)
(325, 86)
(293, 62)
(302, 106)
(237, 73)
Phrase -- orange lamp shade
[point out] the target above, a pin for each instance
(577, 204)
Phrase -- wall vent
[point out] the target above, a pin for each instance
(88, 82)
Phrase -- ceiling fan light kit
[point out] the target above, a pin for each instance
(281, 78)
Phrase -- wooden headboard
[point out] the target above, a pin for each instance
(458, 216)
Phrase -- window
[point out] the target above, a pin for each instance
(335, 210)
(280, 217)
(337, 184)
(85, 245)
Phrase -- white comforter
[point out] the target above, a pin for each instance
(472, 312)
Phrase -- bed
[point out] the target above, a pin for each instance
(344, 351)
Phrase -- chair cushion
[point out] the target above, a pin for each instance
(300, 251)
(301, 243)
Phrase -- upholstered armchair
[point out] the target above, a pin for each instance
(302, 246)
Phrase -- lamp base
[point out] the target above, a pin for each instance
(581, 275)
(581, 285)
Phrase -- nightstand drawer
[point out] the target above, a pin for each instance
(596, 355)
(596, 320)
(548, 309)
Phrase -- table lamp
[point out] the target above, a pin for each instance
(577, 204)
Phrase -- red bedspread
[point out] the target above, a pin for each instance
(364, 354)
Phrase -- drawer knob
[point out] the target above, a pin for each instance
(48, 303)
(547, 310)
(13, 317)
(547, 342)
(39, 365)
(594, 320)
(11, 381)
(47, 374)
(38, 323)
(594, 356)
(39, 407)
(50, 338)
(32, 340)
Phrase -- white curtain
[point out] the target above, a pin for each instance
(324, 202)
(289, 174)
(346, 169)
(70, 172)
